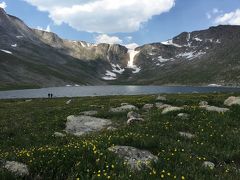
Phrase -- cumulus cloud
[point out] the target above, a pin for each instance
(232, 18)
(104, 38)
(103, 16)
(213, 13)
(48, 28)
(3, 5)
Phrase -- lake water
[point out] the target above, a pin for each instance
(108, 90)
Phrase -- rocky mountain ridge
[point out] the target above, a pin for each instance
(35, 58)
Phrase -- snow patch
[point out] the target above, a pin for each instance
(109, 76)
(171, 43)
(162, 60)
(6, 51)
(214, 85)
(117, 68)
(198, 39)
(136, 70)
(19, 37)
(191, 55)
(14, 45)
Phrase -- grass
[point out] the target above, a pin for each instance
(27, 128)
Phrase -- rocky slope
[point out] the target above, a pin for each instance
(34, 58)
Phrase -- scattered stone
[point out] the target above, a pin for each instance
(161, 98)
(111, 128)
(124, 104)
(136, 159)
(134, 120)
(19, 169)
(162, 106)
(133, 114)
(183, 116)
(124, 108)
(208, 164)
(69, 101)
(203, 103)
(58, 134)
(147, 107)
(28, 100)
(171, 109)
(232, 101)
(79, 125)
(187, 135)
(214, 109)
(89, 113)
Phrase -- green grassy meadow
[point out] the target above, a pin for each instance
(27, 128)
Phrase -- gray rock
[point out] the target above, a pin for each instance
(124, 108)
(171, 109)
(19, 169)
(208, 164)
(28, 100)
(69, 101)
(162, 106)
(161, 98)
(133, 114)
(147, 107)
(183, 116)
(215, 109)
(203, 103)
(135, 158)
(89, 113)
(134, 120)
(80, 125)
(187, 135)
(58, 134)
(111, 128)
(124, 104)
(232, 101)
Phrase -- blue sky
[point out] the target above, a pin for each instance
(142, 21)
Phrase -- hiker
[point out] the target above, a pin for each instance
(49, 95)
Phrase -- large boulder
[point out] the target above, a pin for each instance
(203, 103)
(232, 101)
(125, 108)
(208, 164)
(134, 120)
(17, 168)
(79, 125)
(148, 107)
(215, 109)
(133, 114)
(161, 105)
(171, 109)
(161, 98)
(136, 159)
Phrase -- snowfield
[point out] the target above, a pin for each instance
(6, 51)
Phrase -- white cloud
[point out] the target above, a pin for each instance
(209, 16)
(3, 5)
(232, 18)
(104, 38)
(132, 46)
(48, 28)
(103, 16)
(213, 13)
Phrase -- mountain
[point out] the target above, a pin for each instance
(33, 58)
